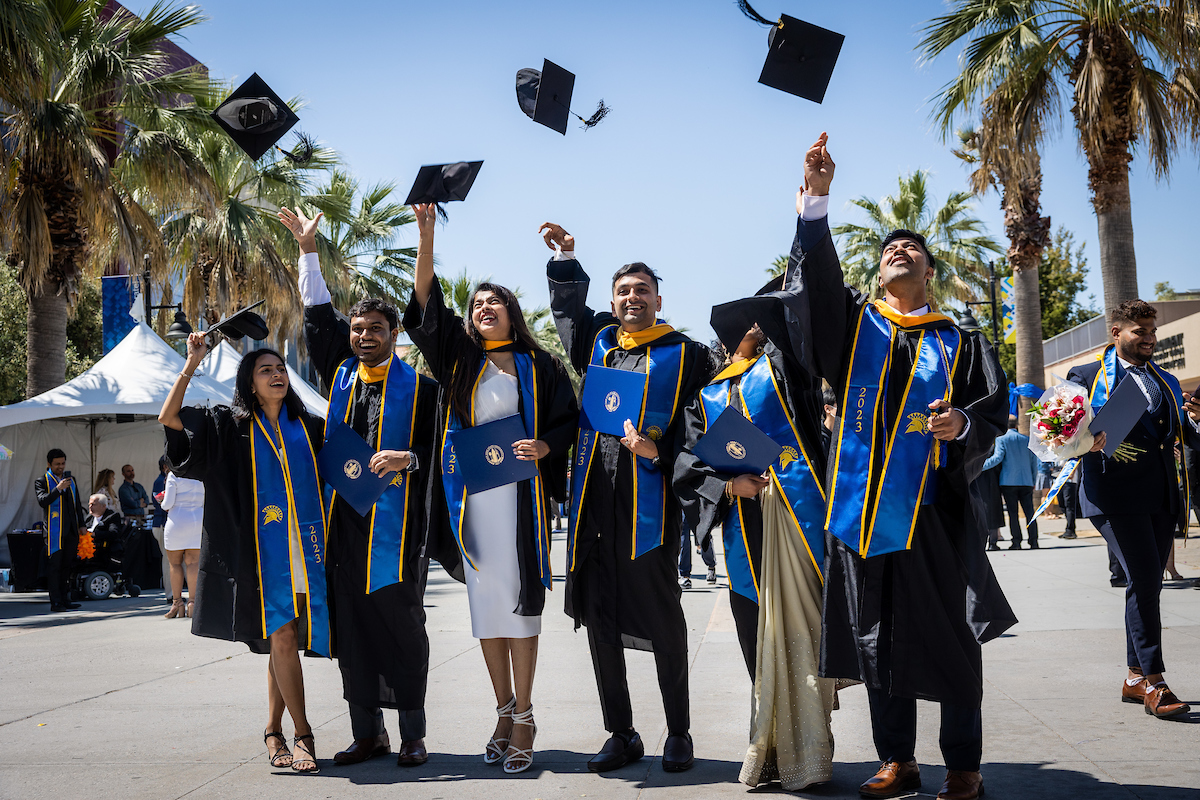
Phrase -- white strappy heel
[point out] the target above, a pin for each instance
(496, 748)
(518, 760)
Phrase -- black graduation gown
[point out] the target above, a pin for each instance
(623, 601)
(379, 639)
(910, 623)
(214, 448)
(441, 337)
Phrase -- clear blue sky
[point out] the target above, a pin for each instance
(695, 170)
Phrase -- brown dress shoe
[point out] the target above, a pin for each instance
(1135, 693)
(362, 749)
(1162, 702)
(893, 778)
(961, 785)
(412, 754)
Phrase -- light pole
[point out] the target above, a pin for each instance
(967, 320)
(179, 328)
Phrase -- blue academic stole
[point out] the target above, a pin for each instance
(54, 514)
(289, 513)
(456, 487)
(910, 453)
(793, 474)
(664, 378)
(397, 415)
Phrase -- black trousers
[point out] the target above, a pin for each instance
(1024, 496)
(1142, 545)
(609, 662)
(58, 569)
(894, 727)
(1068, 500)
(367, 723)
(745, 619)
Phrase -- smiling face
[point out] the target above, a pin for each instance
(904, 263)
(635, 302)
(270, 379)
(58, 466)
(490, 317)
(1135, 339)
(372, 338)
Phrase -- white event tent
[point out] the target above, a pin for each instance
(105, 418)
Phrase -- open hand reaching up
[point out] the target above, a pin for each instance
(818, 170)
(302, 228)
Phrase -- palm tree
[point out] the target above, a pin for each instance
(69, 77)
(358, 257)
(230, 249)
(998, 162)
(956, 240)
(778, 266)
(1132, 68)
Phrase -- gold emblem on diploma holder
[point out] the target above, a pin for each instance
(493, 454)
(736, 450)
(612, 401)
(352, 469)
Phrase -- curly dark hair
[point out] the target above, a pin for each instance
(369, 304)
(1132, 311)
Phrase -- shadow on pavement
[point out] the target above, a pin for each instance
(32, 611)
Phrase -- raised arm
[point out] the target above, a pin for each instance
(576, 323)
(325, 331)
(169, 415)
(423, 278)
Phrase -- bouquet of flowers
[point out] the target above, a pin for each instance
(1058, 423)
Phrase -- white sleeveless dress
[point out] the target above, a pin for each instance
(490, 531)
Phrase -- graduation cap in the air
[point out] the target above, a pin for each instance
(442, 183)
(242, 323)
(545, 97)
(767, 308)
(256, 118)
(800, 56)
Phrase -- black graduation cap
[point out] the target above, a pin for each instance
(256, 118)
(545, 97)
(800, 58)
(441, 183)
(242, 323)
(767, 309)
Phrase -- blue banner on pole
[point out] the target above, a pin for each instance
(117, 296)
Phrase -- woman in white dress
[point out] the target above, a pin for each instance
(488, 367)
(183, 500)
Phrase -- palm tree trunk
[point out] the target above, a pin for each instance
(1028, 309)
(1114, 217)
(46, 342)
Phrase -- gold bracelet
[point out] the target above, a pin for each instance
(729, 490)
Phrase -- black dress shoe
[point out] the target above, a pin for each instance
(72, 606)
(993, 547)
(412, 754)
(1015, 546)
(1068, 535)
(1033, 545)
(57, 609)
(1118, 583)
(677, 753)
(619, 750)
(362, 749)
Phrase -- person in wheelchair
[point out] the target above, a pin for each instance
(103, 522)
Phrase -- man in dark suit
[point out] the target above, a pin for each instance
(58, 495)
(1133, 498)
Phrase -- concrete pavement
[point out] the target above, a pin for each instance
(115, 701)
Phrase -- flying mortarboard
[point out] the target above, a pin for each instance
(242, 323)
(800, 56)
(545, 97)
(442, 183)
(256, 118)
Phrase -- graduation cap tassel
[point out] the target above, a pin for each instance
(302, 153)
(752, 14)
(595, 119)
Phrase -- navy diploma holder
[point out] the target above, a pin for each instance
(485, 455)
(1120, 413)
(734, 446)
(611, 396)
(344, 462)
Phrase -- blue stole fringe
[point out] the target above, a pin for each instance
(659, 401)
(456, 487)
(54, 515)
(290, 514)
(910, 452)
(793, 474)
(397, 414)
